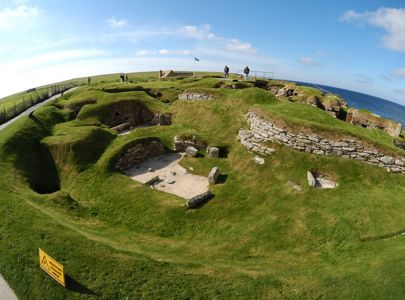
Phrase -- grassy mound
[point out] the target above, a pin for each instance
(257, 238)
(77, 147)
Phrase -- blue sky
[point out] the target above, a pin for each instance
(358, 45)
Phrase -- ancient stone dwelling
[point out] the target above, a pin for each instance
(367, 120)
(172, 74)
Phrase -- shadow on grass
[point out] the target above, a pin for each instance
(222, 178)
(74, 286)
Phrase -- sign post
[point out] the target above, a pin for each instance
(52, 267)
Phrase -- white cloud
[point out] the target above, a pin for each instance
(197, 32)
(307, 60)
(391, 20)
(399, 73)
(400, 91)
(238, 46)
(174, 52)
(114, 23)
(9, 16)
(145, 52)
(319, 53)
(48, 59)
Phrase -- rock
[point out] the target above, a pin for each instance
(319, 152)
(170, 181)
(198, 200)
(311, 179)
(213, 175)
(258, 160)
(340, 144)
(388, 160)
(191, 168)
(295, 186)
(399, 162)
(213, 152)
(173, 173)
(152, 181)
(151, 170)
(245, 134)
(191, 151)
(320, 181)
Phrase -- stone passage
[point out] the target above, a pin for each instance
(139, 152)
(262, 130)
(195, 96)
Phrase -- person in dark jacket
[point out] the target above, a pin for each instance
(246, 71)
(226, 72)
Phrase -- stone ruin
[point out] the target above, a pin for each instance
(181, 144)
(400, 144)
(196, 96)
(173, 74)
(125, 116)
(331, 103)
(140, 151)
(367, 120)
(318, 180)
(265, 131)
(196, 201)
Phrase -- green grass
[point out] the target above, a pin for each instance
(256, 238)
(296, 115)
(13, 105)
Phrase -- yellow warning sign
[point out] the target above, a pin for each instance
(52, 267)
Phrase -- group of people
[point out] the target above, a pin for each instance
(124, 77)
(246, 71)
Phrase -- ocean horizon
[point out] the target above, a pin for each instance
(379, 106)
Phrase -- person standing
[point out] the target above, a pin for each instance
(88, 80)
(246, 71)
(226, 72)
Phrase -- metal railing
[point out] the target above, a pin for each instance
(257, 74)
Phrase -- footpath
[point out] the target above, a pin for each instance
(31, 109)
(6, 293)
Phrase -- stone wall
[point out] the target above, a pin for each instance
(195, 96)
(127, 112)
(262, 130)
(139, 152)
(367, 120)
(180, 145)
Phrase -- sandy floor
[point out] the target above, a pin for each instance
(174, 179)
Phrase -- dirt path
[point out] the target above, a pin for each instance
(6, 293)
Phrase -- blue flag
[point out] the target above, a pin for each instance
(196, 59)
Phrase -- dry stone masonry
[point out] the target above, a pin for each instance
(213, 152)
(367, 120)
(195, 96)
(139, 152)
(180, 144)
(262, 131)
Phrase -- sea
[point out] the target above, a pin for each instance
(378, 106)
